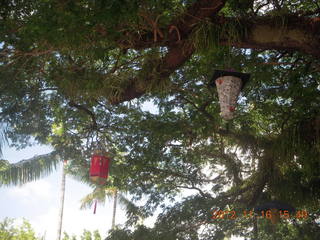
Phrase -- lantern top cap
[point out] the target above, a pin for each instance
(101, 153)
(274, 205)
(97, 152)
(222, 73)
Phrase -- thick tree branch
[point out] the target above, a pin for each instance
(178, 29)
(179, 51)
(196, 13)
(175, 58)
(290, 33)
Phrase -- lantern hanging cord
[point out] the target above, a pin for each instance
(227, 127)
(101, 146)
(95, 207)
(227, 59)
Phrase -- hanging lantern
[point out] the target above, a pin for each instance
(229, 84)
(99, 167)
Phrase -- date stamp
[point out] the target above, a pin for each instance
(232, 214)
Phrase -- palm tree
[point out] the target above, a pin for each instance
(101, 194)
(3, 137)
(28, 170)
(62, 192)
(25, 170)
(115, 198)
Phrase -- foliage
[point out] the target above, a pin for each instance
(27, 170)
(86, 235)
(8, 231)
(64, 65)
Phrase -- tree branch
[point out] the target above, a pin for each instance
(290, 33)
(87, 111)
(203, 194)
(179, 50)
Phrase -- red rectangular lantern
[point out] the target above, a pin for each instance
(99, 168)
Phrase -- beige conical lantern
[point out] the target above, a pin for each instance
(229, 84)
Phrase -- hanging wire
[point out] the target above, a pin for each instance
(95, 207)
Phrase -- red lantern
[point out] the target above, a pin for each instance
(99, 168)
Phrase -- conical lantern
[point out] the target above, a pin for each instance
(229, 84)
(99, 167)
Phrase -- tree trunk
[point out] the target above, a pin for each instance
(115, 199)
(62, 192)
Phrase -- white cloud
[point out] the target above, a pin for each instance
(32, 192)
(75, 220)
(46, 224)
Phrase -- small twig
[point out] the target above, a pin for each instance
(259, 7)
(154, 25)
(199, 19)
(277, 63)
(194, 188)
(86, 110)
(47, 89)
(172, 28)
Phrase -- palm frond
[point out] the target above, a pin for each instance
(131, 208)
(123, 200)
(79, 171)
(3, 137)
(28, 170)
(98, 194)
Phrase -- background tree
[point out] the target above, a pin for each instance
(8, 231)
(86, 235)
(61, 203)
(99, 195)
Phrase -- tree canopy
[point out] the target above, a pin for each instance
(9, 231)
(80, 74)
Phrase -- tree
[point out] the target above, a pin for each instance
(114, 210)
(156, 37)
(62, 192)
(27, 170)
(99, 194)
(10, 232)
(67, 70)
(86, 235)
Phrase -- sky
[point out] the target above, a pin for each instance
(38, 202)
